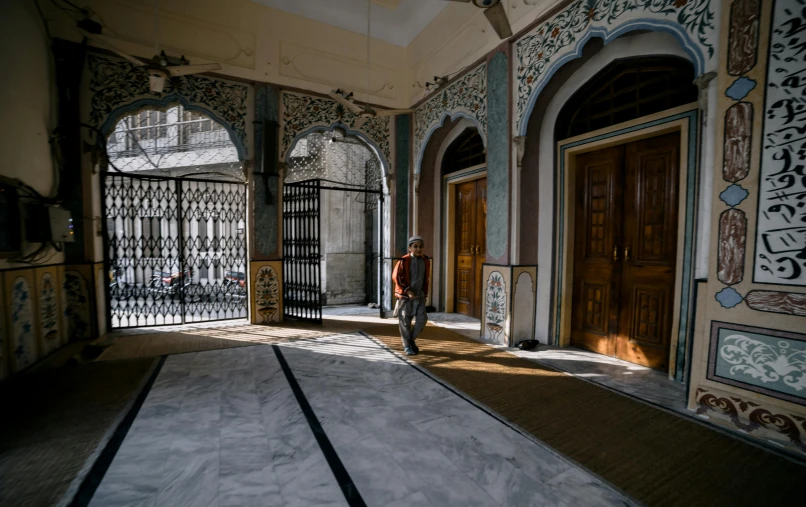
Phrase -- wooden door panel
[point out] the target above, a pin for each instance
(649, 260)
(465, 284)
(597, 229)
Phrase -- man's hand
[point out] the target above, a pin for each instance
(410, 293)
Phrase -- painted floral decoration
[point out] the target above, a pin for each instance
(496, 304)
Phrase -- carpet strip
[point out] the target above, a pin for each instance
(655, 457)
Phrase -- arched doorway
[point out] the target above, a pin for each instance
(333, 224)
(549, 171)
(626, 211)
(174, 202)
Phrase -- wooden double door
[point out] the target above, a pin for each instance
(471, 246)
(625, 250)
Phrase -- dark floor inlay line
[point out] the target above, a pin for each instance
(346, 484)
(96, 474)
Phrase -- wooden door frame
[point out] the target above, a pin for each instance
(449, 182)
(683, 120)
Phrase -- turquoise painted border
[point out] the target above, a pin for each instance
(688, 242)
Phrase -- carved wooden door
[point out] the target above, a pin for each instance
(596, 233)
(625, 250)
(649, 251)
(471, 234)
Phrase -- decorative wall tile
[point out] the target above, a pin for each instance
(753, 417)
(22, 336)
(740, 88)
(743, 36)
(728, 297)
(115, 84)
(466, 96)
(76, 306)
(301, 113)
(49, 308)
(495, 307)
(734, 195)
(765, 361)
(560, 38)
(738, 140)
(732, 238)
(780, 256)
(790, 303)
(266, 292)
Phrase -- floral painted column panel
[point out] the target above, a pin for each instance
(266, 292)
(49, 320)
(22, 346)
(76, 306)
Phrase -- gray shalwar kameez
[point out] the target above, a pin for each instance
(414, 307)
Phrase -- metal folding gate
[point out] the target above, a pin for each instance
(302, 249)
(175, 250)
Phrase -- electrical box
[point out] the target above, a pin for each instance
(48, 224)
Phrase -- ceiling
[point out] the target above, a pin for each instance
(395, 21)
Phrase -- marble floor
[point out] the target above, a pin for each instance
(227, 428)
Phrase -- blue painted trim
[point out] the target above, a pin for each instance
(673, 28)
(357, 133)
(441, 122)
(172, 98)
(688, 242)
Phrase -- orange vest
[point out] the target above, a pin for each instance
(402, 273)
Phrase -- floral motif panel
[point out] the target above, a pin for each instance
(561, 37)
(23, 339)
(76, 306)
(467, 96)
(49, 313)
(115, 84)
(267, 295)
(765, 361)
(495, 306)
(301, 113)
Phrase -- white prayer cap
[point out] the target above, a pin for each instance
(416, 238)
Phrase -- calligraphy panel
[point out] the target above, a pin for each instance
(780, 256)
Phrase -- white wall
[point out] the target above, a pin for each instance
(26, 102)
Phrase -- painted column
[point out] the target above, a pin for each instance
(498, 159)
(266, 268)
(265, 186)
(402, 170)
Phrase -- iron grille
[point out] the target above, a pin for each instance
(302, 275)
(176, 250)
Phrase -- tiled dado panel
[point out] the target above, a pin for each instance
(764, 361)
(40, 309)
(266, 292)
(508, 309)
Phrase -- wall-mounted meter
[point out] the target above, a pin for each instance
(48, 224)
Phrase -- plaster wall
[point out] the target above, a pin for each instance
(28, 105)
